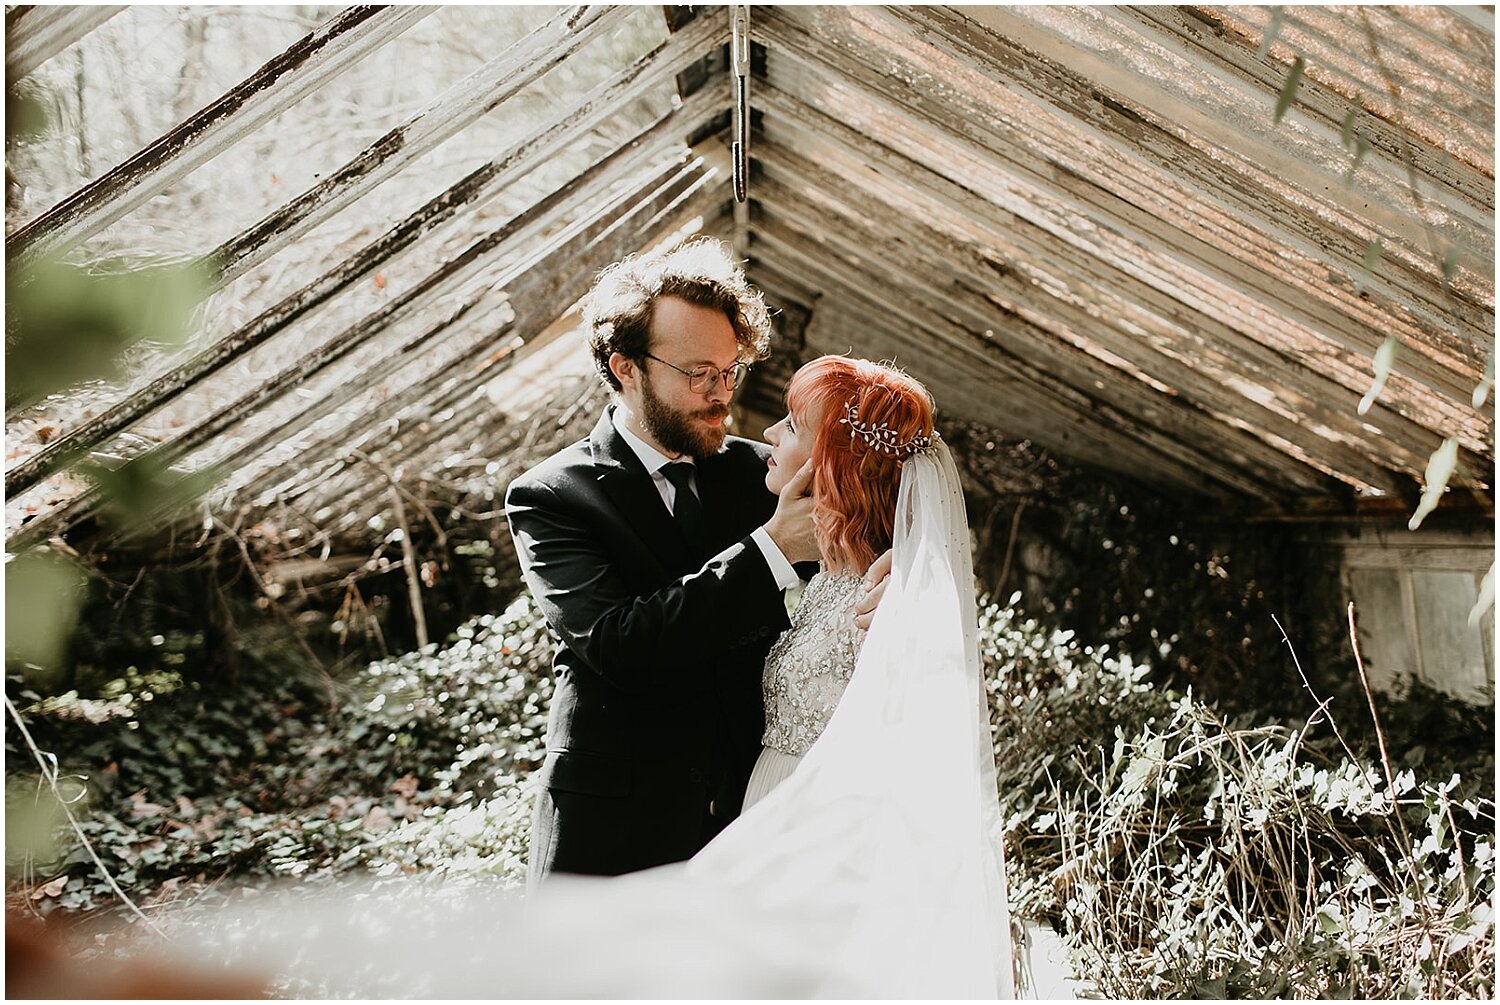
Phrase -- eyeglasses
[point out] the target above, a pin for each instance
(702, 378)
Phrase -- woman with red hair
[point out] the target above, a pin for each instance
(855, 423)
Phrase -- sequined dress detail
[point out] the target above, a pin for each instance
(806, 672)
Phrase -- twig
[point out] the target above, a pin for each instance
(49, 772)
(1010, 546)
(1385, 764)
(413, 574)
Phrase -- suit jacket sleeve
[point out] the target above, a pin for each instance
(671, 638)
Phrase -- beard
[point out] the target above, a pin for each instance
(676, 430)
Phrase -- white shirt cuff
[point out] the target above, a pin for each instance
(781, 569)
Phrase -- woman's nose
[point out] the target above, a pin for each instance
(770, 433)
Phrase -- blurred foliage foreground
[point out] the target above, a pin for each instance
(1180, 854)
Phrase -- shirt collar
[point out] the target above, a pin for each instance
(653, 460)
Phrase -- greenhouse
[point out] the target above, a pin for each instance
(1203, 296)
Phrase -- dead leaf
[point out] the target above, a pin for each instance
(380, 280)
(51, 889)
(44, 433)
(377, 819)
(405, 786)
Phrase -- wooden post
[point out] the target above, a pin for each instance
(477, 94)
(36, 33)
(315, 59)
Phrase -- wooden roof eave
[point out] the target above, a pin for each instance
(1236, 375)
(34, 33)
(472, 190)
(1150, 229)
(312, 61)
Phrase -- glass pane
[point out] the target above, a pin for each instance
(1384, 639)
(1452, 649)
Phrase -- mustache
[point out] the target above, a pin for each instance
(717, 412)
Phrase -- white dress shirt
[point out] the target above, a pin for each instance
(654, 460)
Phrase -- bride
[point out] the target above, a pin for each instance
(872, 807)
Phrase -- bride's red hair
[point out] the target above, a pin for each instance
(855, 485)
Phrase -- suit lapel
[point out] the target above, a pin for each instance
(624, 479)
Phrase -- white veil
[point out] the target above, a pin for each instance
(874, 871)
(889, 830)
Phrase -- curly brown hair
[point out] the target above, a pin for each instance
(701, 271)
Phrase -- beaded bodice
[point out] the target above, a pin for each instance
(808, 667)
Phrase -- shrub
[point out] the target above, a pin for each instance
(1182, 853)
(415, 763)
(1189, 856)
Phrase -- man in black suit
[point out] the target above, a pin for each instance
(658, 557)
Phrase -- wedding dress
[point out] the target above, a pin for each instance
(806, 673)
(873, 869)
(884, 844)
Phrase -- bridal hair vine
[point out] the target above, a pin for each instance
(882, 437)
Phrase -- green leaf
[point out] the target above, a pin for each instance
(1346, 132)
(26, 116)
(41, 605)
(1373, 252)
(1361, 147)
(145, 487)
(1439, 469)
(1273, 28)
(1289, 89)
(1385, 357)
(1450, 262)
(66, 324)
(1482, 392)
(1486, 597)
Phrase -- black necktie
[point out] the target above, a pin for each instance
(685, 505)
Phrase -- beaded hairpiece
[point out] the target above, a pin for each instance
(883, 438)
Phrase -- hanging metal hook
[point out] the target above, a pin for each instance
(739, 55)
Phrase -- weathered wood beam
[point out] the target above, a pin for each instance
(431, 352)
(1173, 238)
(971, 388)
(1040, 335)
(648, 143)
(1243, 379)
(1087, 66)
(1204, 35)
(545, 290)
(36, 33)
(315, 59)
(1062, 416)
(472, 190)
(476, 95)
(1440, 90)
(449, 276)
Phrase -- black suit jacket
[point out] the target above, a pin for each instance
(657, 715)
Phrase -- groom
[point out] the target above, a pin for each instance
(658, 558)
